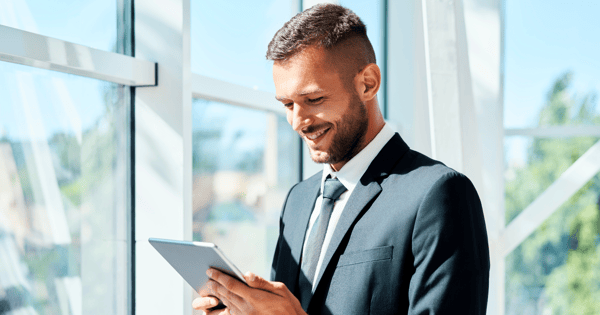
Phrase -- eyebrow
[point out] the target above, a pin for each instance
(303, 93)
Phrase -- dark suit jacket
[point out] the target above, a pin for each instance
(411, 240)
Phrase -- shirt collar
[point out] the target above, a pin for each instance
(352, 171)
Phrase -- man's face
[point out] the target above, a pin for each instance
(325, 112)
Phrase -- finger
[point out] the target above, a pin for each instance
(204, 303)
(224, 311)
(232, 284)
(229, 298)
(258, 282)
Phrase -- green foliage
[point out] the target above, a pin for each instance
(574, 288)
(556, 269)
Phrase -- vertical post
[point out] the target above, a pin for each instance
(407, 75)
(430, 76)
(452, 119)
(163, 167)
(384, 58)
(483, 20)
(455, 112)
(125, 46)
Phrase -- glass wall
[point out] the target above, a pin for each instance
(64, 169)
(245, 161)
(91, 23)
(230, 39)
(64, 193)
(551, 83)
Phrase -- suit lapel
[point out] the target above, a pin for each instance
(304, 206)
(360, 197)
(366, 190)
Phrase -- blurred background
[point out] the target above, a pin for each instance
(123, 120)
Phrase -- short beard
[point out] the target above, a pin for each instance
(350, 136)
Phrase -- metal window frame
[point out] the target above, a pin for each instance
(221, 91)
(567, 185)
(549, 201)
(554, 131)
(22, 47)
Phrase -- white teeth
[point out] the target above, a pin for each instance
(316, 134)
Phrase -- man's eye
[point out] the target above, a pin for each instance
(288, 104)
(315, 100)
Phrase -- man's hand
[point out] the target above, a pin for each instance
(207, 302)
(258, 297)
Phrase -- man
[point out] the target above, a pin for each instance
(383, 229)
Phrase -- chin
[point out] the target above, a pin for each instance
(320, 156)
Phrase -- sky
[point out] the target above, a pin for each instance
(544, 39)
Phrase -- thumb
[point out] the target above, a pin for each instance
(256, 281)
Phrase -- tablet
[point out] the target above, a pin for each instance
(192, 259)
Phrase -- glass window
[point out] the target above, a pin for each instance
(551, 79)
(64, 193)
(91, 23)
(245, 161)
(556, 270)
(545, 161)
(544, 40)
(229, 39)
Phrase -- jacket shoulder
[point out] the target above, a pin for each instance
(301, 191)
(421, 169)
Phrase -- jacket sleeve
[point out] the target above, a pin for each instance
(450, 250)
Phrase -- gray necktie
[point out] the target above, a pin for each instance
(332, 189)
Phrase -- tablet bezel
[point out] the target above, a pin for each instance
(200, 276)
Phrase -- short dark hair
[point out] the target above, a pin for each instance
(325, 25)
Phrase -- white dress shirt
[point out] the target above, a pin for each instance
(349, 176)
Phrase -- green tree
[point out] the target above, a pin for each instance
(556, 268)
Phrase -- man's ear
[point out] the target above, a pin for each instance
(368, 81)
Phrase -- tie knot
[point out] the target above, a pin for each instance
(333, 188)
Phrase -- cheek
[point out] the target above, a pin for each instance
(331, 115)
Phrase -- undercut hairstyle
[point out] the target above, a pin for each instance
(336, 29)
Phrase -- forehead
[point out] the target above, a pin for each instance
(310, 69)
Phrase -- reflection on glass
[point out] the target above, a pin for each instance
(556, 270)
(63, 194)
(543, 39)
(244, 161)
(528, 174)
(534, 164)
(91, 23)
(229, 39)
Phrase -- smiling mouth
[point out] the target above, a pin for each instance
(316, 135)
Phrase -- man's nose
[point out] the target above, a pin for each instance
(301, 117)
